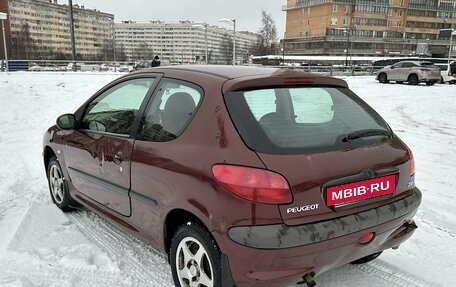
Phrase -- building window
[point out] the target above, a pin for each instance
(308, 11)
(399, 23)
(346, 20)
(347, 9)
(334, 21)
(399, 12)
(335, 8)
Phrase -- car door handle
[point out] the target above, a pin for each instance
(118, 157)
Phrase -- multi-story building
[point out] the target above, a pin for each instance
(4, 9)
(181, 42)
(47, 23)
(368, 27)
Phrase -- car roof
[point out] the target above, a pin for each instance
(248, 74)
(416, 62)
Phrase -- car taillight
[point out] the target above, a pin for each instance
(411, 161)
(254, 184)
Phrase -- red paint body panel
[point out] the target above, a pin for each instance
(93, 154)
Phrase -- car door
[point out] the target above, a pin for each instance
(98, 152)
(160, 156)
(395, 72)
(406, 70)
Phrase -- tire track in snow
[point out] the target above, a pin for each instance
(444, 129)
(45, 275)
(393, 275)
(134, 256)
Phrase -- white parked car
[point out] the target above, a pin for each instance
(413, 72)
(447, 72)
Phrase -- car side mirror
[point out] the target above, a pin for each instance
(392, 67)
(66, 122)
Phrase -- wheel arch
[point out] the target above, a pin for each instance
(383, 73)
(174, 219)
(413, 74)
(48, 153)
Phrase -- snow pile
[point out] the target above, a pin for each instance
(41, 246)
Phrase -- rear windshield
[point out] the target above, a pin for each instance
(297, 120)
(442, 67)
(453, 67)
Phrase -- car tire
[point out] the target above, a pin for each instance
(430, 83)
(367, 258)
(413, 80)
(57, 186)
(382, 78)
(195, 258)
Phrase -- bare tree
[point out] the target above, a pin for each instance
(227, 48)
(143, 52)
(23, 45)
(267, 41)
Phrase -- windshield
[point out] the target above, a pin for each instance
(295, 120)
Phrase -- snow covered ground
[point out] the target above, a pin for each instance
(41, 246)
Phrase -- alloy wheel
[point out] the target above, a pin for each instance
(194, 267)
(56, 184)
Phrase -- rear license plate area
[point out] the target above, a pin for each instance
(360, 190)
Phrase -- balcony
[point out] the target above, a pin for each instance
(307, 3)
(431, 7)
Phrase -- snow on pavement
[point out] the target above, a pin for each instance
(41, 246)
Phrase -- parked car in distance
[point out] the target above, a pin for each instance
(243, 176)
(148, 64)
(447, 73)
(413, 72)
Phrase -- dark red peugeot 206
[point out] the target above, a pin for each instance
(243, 176)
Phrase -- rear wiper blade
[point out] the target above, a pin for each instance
(366, 133)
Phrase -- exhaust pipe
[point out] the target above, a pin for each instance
(308, 279)
(406, 229)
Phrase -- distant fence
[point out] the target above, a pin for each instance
(99, 66)
(65, 66)
(336, 70)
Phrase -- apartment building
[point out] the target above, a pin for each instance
(47, 23)
(4, 9)
(181, 42)
(369, 27)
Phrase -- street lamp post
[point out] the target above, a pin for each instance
(73, 41)
(4, 16)
(283, 55)
(205, 37)
(347, 46)
(114, 44)
(450, 49)
(232, 22)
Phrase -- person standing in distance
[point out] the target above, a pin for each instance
(156, 62)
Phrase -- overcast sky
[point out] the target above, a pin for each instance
(246, 12)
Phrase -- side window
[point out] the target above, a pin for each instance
(115, 110)
(398, 65)
(312, 105)
(408, 65)
(170, 111)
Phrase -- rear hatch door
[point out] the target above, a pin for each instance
(337, 154)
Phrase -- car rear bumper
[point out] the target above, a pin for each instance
(278, 255)
(426, 77)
